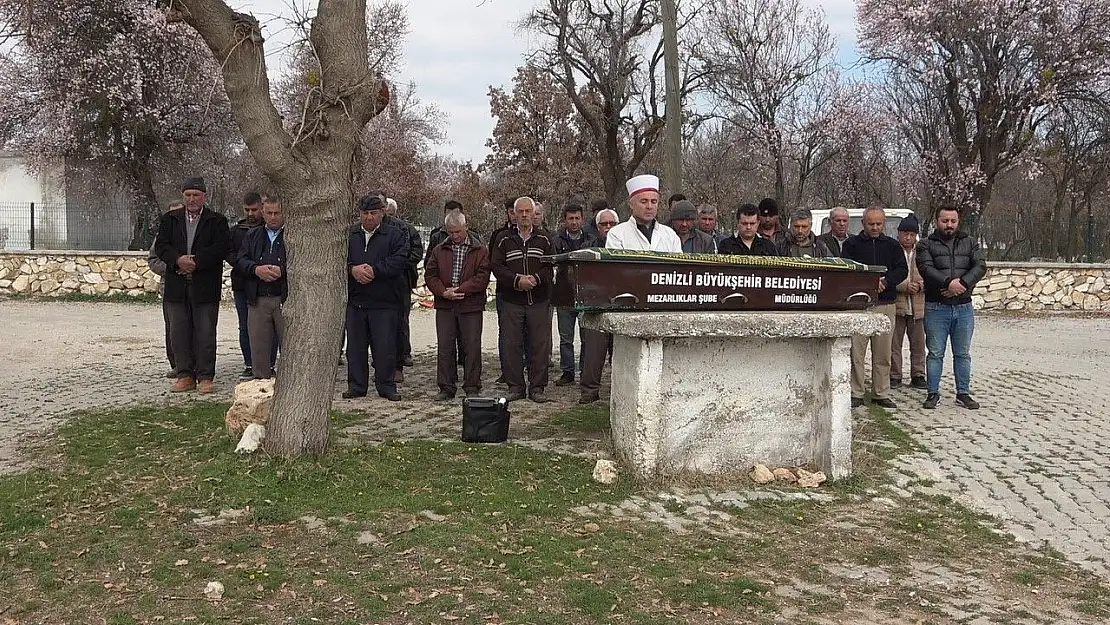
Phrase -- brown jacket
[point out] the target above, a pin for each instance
(906, 302)
(473, 281)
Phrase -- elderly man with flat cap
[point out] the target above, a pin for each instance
(377, 289)
(641, 232)
(193, 242)
(684, 219)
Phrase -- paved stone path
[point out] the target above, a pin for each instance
(1035, 455)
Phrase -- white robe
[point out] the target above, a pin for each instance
(626, 236)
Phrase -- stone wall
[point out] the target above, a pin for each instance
(1030, 287)
(53, 274)
(1036, 287)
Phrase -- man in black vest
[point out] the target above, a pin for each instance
(193, 242)
(377, 259)
(261, 261)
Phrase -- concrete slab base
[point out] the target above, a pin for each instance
(717, 393)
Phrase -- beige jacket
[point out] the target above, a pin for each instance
(908, 303)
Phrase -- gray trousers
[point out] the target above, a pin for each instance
(266, 326)
(193, 336)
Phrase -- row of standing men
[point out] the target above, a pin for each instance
(383, 256)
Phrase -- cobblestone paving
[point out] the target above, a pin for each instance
(1036, 454)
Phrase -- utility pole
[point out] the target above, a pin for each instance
(673, 100)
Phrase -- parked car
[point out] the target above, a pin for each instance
(855, 220)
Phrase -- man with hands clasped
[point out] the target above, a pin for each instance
(524, 284)
(377, 287)
(952, 264)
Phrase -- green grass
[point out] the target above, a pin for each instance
(593, 418)
(109, 530)
(110, 298)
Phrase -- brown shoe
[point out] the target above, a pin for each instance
(205, 387)
(182, 385)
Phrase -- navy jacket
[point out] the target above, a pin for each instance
(563, 242)
(238, 233)
(416, 245)
(880, 250)
(388, 253)
(256, 250)
(210, 246)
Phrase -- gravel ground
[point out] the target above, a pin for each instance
(60, 357)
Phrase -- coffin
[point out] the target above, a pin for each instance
(603, 279)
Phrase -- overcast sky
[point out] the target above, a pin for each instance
(456, 49)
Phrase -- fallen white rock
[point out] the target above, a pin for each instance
(605, 471)
(252, 438)
(762, 475)
(252, 404)
(810, 480)
(214, 591)
(785, 475)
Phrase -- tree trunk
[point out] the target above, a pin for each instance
(144, 206)
(314, 173)
(316, 237)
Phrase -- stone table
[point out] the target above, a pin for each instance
(717, 392)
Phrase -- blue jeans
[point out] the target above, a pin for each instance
(567, 316)
(941, 323)
(244, 336)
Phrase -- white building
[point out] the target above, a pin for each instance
(21, 187)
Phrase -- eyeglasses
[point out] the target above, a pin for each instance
(607, 223)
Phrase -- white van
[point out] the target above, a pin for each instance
(855, 220)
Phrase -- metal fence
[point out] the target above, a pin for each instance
(63, 226)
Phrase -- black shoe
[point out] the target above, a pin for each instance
(857, 402)
(408, 361)
(247, 373)
(516, 396)
(444, 396)
(539, 397)
(931, 401)
(884, 402)
(398, 377)
(589, 398)
(919, 382)
(966, 401)
(390, 396)
(500, 380)
(895, 383)
(565, 379)
(352, 394)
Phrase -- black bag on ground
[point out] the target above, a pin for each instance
(485, 420)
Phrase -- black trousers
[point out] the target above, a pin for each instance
(193, 336)
(527, 330)
(453, 329)
(404, 343)
(372, 330)
(169, 338)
